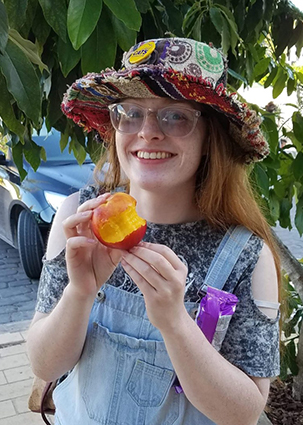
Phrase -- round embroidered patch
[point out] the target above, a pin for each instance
(209, 59)
(179, 52)
(193, 69)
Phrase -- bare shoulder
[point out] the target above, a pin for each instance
(265, 281)
(56, 240)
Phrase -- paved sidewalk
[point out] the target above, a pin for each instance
(15, 379)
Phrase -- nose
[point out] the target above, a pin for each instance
(151, 129)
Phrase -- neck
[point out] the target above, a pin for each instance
(166, 207)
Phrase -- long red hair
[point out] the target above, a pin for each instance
(224, 192)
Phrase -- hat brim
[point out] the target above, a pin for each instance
(87, 99)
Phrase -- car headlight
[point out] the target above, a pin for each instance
(54, 199)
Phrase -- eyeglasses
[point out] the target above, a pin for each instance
(174, 121)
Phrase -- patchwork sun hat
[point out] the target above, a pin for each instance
(177, 68)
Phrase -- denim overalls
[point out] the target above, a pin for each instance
(124, 376)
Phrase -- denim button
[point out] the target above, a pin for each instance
(101, 296)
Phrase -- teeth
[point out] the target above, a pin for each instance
(153, 155)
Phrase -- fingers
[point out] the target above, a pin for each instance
(155, 254)
(79, 223)
(91, 204)
(156, 265)
(73, 245)
(70, 225)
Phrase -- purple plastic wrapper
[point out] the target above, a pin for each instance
(213, 317)
(214, 314)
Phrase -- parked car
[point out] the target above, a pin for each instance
(28, 207)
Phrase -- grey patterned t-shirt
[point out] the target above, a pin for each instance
(252, 339)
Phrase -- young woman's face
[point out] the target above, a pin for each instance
(154, 160)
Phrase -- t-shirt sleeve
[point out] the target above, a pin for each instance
(52, 282)
(252, 339)
(54, 276)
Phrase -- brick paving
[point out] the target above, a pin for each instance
(17, 292)
(15, 380)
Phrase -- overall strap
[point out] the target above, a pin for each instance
(226, 257)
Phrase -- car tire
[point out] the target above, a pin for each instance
(30, 245)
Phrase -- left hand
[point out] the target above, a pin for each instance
(161, 276)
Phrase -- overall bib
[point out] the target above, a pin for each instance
(124, 375)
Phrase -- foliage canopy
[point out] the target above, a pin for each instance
(45, 46)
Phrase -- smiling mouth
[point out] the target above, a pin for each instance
(153, 155)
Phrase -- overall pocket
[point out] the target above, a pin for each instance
(124, 380)
(148, 384)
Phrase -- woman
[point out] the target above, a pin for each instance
(180, 145)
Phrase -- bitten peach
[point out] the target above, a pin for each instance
(116, 223)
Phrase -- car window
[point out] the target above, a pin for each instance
(51, 143)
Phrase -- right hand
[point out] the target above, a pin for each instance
(89, 263)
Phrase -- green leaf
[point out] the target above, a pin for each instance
(270, 128)
(261, 67)
(174, 17)
(6, 111)
(40, 27)
(297, 166)
(297, 122)
(126, 11)
(274, 205)
(125, 37)
(64, 139)
(300, 76)
(279, 85)
(271, 77)
(94, 148)
(16, 12)
(143, 5)
(32, 155)
(99, 51)
(17, 152)
(225, 37)
(291, 86)
(239, 14)
(28, 48)
(196, 29)
(22, 81)
(299, 216)
(78, 150)
(217, 19)
(3, 27)
(68, 57)
(55, 13)
(233, 29)
(284, 34)
(29, 18)
(236, 75)
(262, 179)
(285, 207)
(82, 18)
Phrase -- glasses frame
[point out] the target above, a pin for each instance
(148, 111)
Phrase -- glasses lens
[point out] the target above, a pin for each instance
(127, 118)
(177, 122)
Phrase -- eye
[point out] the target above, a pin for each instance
(176, 116)
(133, 112)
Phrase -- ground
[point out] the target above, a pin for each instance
(281, 408)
